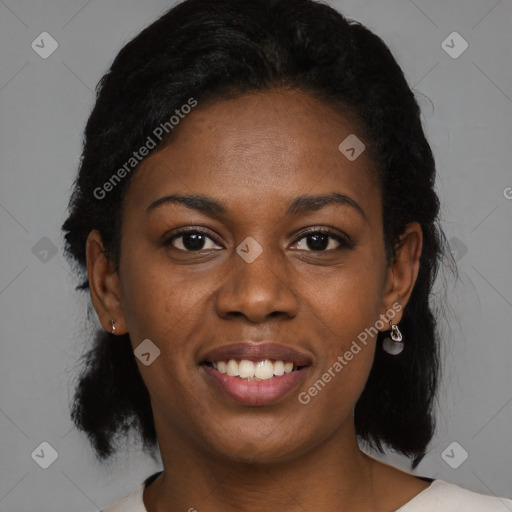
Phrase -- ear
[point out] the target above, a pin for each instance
(402, 273)
(104, 285)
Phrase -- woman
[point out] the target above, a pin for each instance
(256, 220)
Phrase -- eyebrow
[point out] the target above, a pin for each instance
(296, 206)
(305, 204)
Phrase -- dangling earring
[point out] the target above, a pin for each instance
(113, 324)
(394, 344)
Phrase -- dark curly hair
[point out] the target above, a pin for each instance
(211, 50)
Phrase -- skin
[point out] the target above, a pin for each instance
(254, 154)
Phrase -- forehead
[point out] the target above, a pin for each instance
(257, 148)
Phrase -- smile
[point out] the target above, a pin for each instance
(246, 388)
(250, 370)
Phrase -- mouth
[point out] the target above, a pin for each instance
(255, 374)
(245, 369)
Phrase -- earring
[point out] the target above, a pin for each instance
(394, 344)
(113, 324)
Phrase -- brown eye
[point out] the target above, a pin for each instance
(321, 241)
(191, 241)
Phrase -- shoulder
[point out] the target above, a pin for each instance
(131, 503)
(441, 495)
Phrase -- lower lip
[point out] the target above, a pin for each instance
(256, 392)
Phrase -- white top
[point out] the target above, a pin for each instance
(440, 496)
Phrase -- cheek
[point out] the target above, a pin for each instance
(345, 361)
(159, 302)
(350, 300)
(165, 307)
(347, 307)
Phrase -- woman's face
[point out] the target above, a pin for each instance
(253, 269)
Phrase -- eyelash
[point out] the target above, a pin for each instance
(344, 241)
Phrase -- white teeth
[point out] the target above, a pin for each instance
(232, 369)
(288, 367)
(261, 370)
(246, 369)
(264, 370)
(279, 368)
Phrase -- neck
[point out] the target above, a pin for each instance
(335, 476)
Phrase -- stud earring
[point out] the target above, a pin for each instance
(394, 344)
(113, 324)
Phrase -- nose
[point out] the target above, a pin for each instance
(258, 290)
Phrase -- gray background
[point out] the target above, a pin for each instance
(44, 105)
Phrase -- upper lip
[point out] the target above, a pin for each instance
(257, 352)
